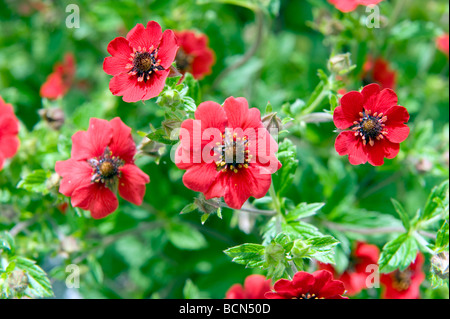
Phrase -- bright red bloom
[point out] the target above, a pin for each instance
(102, 161)
(9, 129)
(379, 71)
(404, 284)
(318, 285)
(227, 152)
(140, 63)
(354, 278)
(350, 5)
(194, 55)
(376, 123)
(255, 286)
(442, 43)
(60, 80)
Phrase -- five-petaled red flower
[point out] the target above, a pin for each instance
(255, 286)
(376, 125)
(350, 5)
(318, 285)
(404, 284)
(140, 63)
(9, 129)
(442, 43)
(102, 161)
(379, 71)
(60, 80)
(355, 277)
(227, 152)
(194, 55)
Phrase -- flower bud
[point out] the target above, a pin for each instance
(274, 254)
(206, 206)
(151, 148)
(340, 64)
(272, 122)
(424, 165)
(169, 98)
(439, 265)
(170, 125)
(54, 117)
(300, 249)
(18, 280)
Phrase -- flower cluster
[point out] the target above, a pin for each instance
(60, 80)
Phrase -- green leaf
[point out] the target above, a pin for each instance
(398, 254)
(402, 213)
(287, 155)
(442, 238)
(189, 208)
(186, 237)
(35, 181)
(39, 284)
(160, 136)
(437, 202)
(191, 291)
(250, 255)
(7, 242)
(304, 210)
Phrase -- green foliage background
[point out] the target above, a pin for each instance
(154, 252)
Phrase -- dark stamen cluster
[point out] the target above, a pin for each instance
(308, 296)
(370, 127)
(106, 168)
(183, 60)
(402, 280)
(144, 63)
(233, 153)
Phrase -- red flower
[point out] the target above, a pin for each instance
(140, 63)
(376, 123)
(354, 278)
(404, 284)
(60, 80)
(379, 71)
(255, 286)
(102, 162)
(227, 152)
(350, 5)
(442, 43)
(319, 285)
(9, 129)
(194, 55)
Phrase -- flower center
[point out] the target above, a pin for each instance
(106, 168)
(370, 127)
(308, 296)
(183, 60)
(233, 153)
(401, 280)
(143, 63)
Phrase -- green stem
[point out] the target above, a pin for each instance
(277, 206)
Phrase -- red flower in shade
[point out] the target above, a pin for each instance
(255, 286)
(376, 123)
(194, 55)
(60, 80)
(442, 43)
(404, 284)
(319, 285)
(227, 152)
(350, 5)
(102, 162)
(354, 278)
(140, 63)
(9, 129)
(379, 71)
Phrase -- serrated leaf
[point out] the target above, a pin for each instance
(404, 217)
(160, 136)
(39, 284)
(303, 210)
(250, 255)
(398, 253)
(7, 242)
(442, 237)
(437, 202)
(35, 181)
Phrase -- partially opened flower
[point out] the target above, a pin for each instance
(318, 285)
(9, 130)
(351, 5)
(375, 125)
(60, 80)
(227, 152)
(194, 55)
(404, 284)
(379, 71)
(442, 43)
(255, 286)
(140, 63)
(355, 277)
(102, 162)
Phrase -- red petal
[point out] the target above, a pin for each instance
(167, 49)
(348, 112)
(211, 114)
(235, 292)
(256, 286)
(9, 144)
(202, 64)
(90, 144)
(145, 37)
(156, 84)
(122, 144)
(239, 115)
(397, 133)
(74, 174)
(96, 198)
(349, 144)
(132, 183)
(321, 277)
(200, 177)
(219, 187)
(303, 282)
(121, 52)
